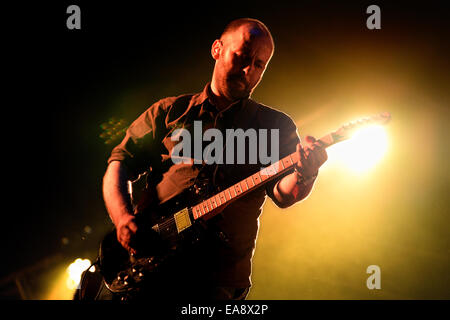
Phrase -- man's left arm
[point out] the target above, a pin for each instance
(298, 185)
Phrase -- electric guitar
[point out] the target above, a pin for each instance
(162, 238)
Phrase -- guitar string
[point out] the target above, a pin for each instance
(171, 220)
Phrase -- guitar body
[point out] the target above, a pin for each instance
(161, 247)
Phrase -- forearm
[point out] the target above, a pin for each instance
(288, 191)
(115, 192)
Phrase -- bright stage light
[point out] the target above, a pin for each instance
(360, 153)
(74, 271)
(63, 286)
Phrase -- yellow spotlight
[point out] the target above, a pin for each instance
(360, 153)
(74, 271)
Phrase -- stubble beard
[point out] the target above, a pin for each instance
(236, 88)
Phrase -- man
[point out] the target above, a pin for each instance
(214, 270)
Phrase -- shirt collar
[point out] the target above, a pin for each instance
(205, 95)
(199, 98)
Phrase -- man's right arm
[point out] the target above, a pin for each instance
(118, 203)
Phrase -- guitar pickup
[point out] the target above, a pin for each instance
(182, 220)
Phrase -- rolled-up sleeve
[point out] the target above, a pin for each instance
(289, 138)
(141, 146)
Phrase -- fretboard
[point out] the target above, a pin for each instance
(244, 186)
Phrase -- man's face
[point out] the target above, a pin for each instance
(240, 66)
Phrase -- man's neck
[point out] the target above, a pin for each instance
(218, 100)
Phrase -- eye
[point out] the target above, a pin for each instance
(259, 65)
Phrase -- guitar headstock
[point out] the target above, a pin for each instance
(113, 130)
(347, 130)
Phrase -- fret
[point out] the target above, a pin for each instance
(202, 211)
(197, 212)
(218, 198)
(257, 178)
(210, 204)
(232, 195)
(205, 206)
(271, 170)
(282, 164)
(213, 202)
(278, 167)
(264, 175)
(229, 194)
(251, 181)
(222, 196)
(294, 157)
(235, 194)
(237, 190)
(290, 159)
(245, 185)
(286, 163)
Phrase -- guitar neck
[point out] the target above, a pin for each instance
(243, 187)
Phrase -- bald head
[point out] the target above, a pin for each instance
(253, 28)
(242, 53)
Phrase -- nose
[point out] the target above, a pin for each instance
(247, 69)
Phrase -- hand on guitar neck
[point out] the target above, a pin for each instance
(297, 185)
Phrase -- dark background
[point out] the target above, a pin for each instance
(64, 84)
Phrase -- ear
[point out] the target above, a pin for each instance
(216, 49)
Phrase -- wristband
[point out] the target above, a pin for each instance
(302, 180)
